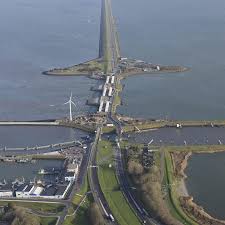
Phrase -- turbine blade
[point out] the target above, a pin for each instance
(73, 103)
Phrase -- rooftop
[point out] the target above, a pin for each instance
(61, 189)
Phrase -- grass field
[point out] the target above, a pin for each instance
(43, 207)
(48, 220)
(110, 187)
(80, 218)
(159, 124)
(172, 198)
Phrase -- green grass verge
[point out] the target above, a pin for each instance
(81, 216)
(110, 187)
(48, 220)
(196, 148)
(172, 199)
(43, 207)
(159, 124)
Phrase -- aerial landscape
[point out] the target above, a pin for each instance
(112, 112)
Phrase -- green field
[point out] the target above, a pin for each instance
(43, 207)
(172, 198)
(110, 187)
(48, 220)
(80, 218)
(162, 123)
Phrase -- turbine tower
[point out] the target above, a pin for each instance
(70, 102)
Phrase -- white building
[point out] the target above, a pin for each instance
(70, 176)
(36, 191)
(6, 191)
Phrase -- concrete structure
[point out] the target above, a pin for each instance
(107, 79)
(110, 92)
(113, 80)
(101, 106)
(57, 145)
(107, 106)
(104, 91)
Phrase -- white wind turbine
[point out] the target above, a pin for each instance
(70, 102)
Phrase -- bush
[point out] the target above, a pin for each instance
(95, 215)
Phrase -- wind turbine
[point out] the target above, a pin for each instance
(70, 102)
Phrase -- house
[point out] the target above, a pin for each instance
(70, 176)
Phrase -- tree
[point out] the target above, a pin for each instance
(135, 168)
(95, 215)
(19, 216)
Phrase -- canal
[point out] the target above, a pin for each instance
(180, 136)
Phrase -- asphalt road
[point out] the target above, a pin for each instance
(94, 182)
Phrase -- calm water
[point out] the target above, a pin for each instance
(28, 171)
(206, 182)
(174, 136)
(22, 136)
(175, 32)
(36, 36)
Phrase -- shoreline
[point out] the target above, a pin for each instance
(180, 69)
(186, 200)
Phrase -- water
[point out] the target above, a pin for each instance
(36, 36)
(174, 33)
(206, 183)
(28, 171)
(22, 136)
(174, 136)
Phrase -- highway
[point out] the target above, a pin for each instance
(108, 45)
(112, 47)
(138, 207)
(94, 182)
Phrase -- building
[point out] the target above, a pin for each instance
(70, 176)
(55, 191)
(36, 191)
(24, 190)
(73, 167)
(6, 190)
